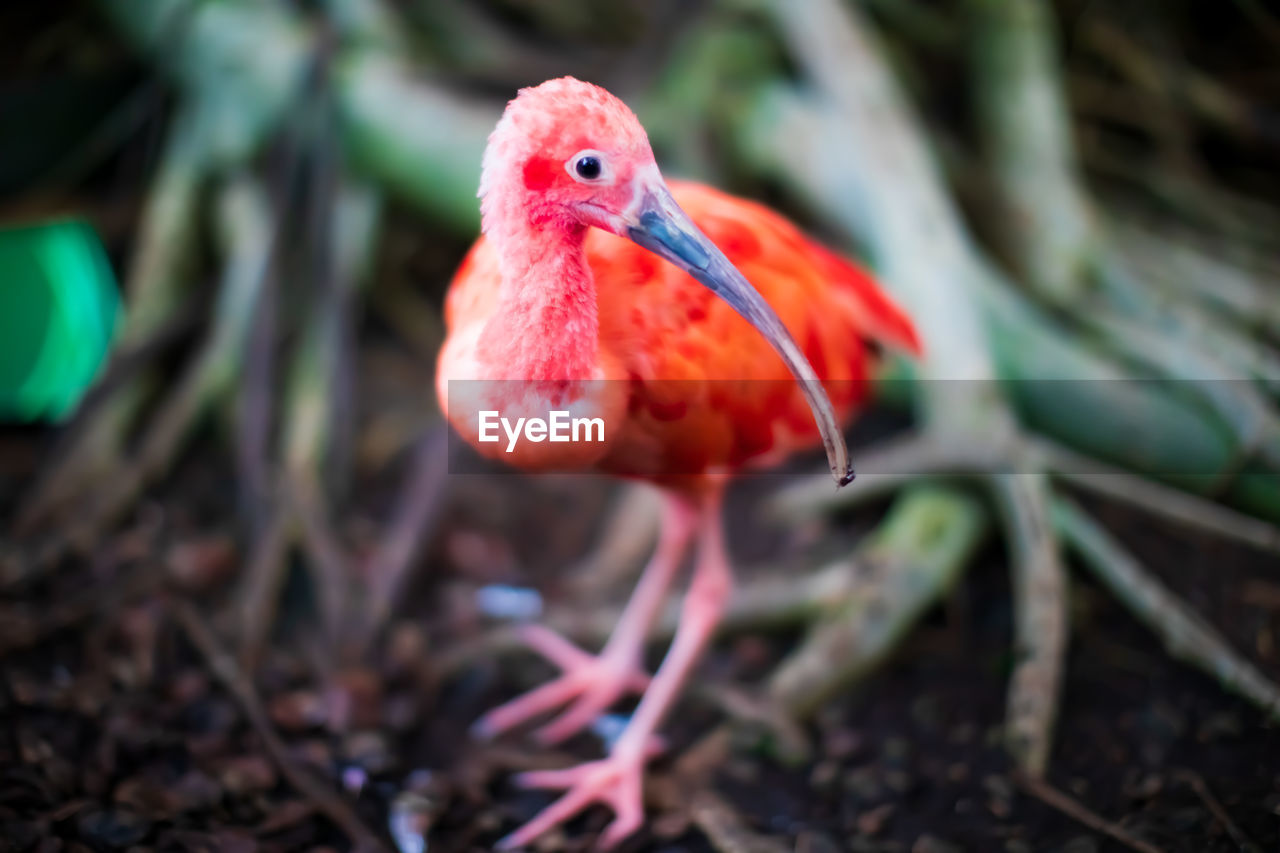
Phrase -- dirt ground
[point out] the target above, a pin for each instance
(116, 734)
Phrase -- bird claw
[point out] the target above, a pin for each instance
(616, 781)
(591, 683)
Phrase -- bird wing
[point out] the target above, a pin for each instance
(709, 391)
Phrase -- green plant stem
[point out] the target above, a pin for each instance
(1055, 246)
(419, 141)
(244, 63)
(1047, 229)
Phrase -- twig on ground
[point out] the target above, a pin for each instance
(326, 560)
(340, 237)
(1074, 809)
(254, 409)
(261, 583)
(1186, 636)
(223, 667)
(419, 505)
(1040, 602)
(1197, 784)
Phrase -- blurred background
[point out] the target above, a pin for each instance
(245, 604)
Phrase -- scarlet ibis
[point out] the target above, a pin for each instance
(562, 305)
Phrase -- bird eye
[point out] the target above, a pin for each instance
(588, 167)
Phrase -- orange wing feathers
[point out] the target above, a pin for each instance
(707, 393)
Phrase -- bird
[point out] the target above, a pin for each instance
(705, 332)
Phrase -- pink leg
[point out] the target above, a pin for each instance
(618, 780)
(595, 683)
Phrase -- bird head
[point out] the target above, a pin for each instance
(565, 152)
(569, 155)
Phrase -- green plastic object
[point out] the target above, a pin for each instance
(59, 310)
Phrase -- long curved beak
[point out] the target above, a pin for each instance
(658, 224)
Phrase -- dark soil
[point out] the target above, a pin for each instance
(114, 734)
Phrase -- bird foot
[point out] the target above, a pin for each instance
(591, 683)
(616, 781)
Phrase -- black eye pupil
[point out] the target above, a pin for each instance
(588, 168)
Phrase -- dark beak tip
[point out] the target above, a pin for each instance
(849, 477)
